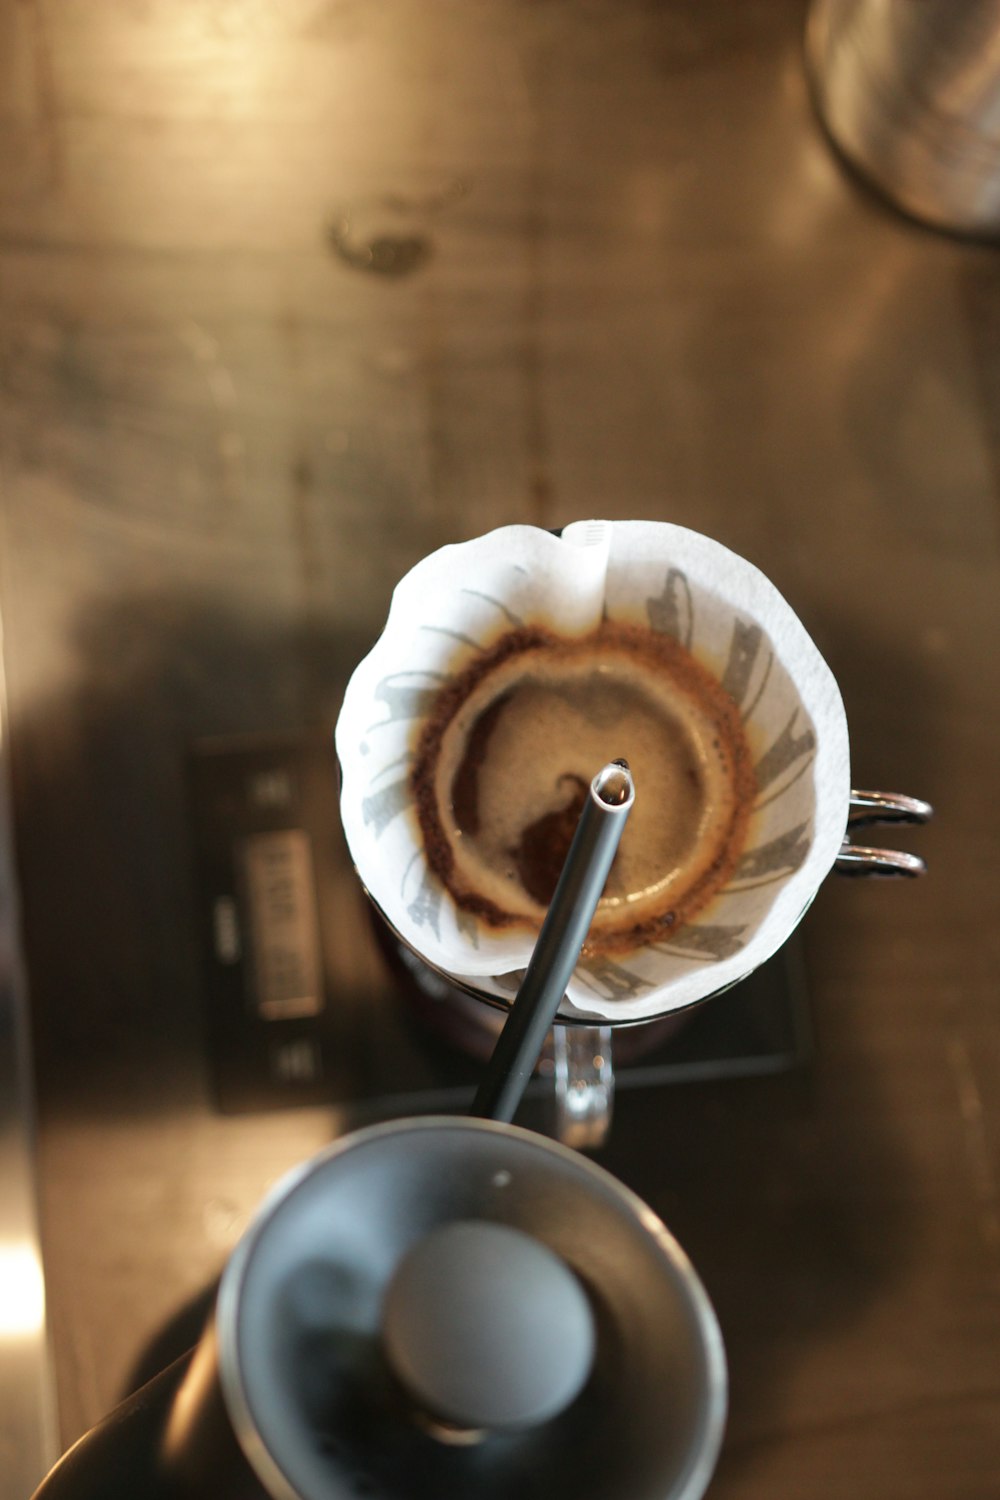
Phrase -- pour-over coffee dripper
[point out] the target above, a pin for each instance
(669, 581)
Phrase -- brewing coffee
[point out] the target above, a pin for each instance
(505, 758)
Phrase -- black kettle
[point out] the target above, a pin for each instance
(433, 1307)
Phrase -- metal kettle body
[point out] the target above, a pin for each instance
(145, 1448)
(910, 94)
(433, 1306)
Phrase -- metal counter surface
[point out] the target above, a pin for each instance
(291, 294)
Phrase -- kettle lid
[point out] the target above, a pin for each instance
(447, 1306)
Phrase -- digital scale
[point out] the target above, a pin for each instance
(304, 1003)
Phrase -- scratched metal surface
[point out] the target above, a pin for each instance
(291, 294)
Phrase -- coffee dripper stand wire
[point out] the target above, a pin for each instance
(563, 933)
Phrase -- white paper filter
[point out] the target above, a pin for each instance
(460, 600)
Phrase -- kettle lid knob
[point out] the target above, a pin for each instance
(487, 1328)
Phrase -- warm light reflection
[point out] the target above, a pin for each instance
(22, 1292)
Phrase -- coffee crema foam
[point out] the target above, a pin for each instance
(507, 753)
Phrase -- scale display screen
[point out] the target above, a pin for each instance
(280, 885)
